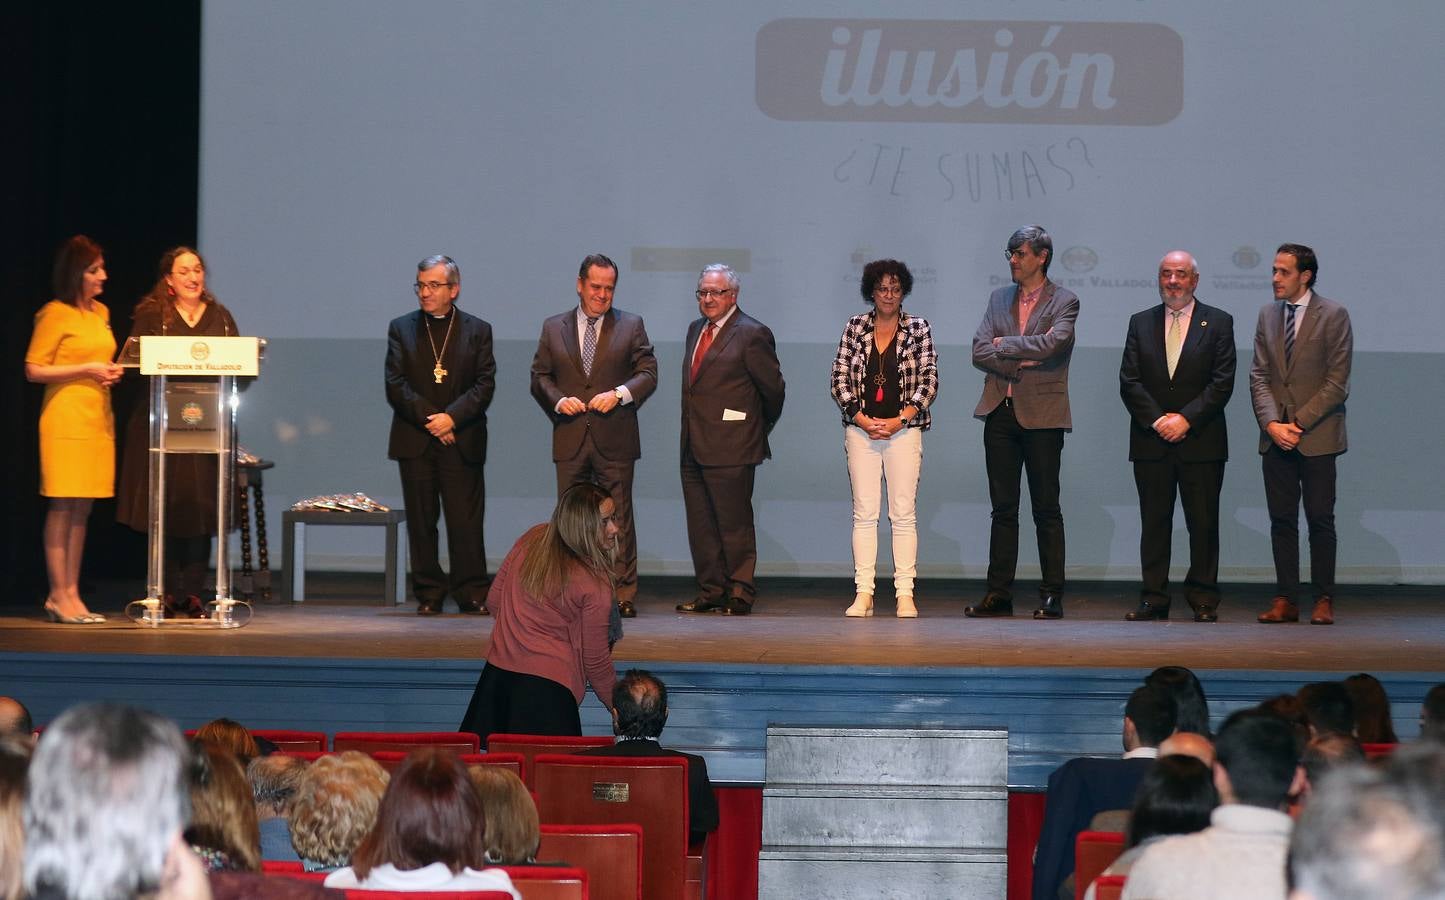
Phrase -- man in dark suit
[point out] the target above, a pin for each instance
(1023, 346)
(440, 377)
(732, 396)
(639, 712)
(1176, 377)
(1083, 787)
(593, 368)
(1300, 377)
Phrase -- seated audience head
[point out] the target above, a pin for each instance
(1289, 708)
(223, 826)
(273, 783)
(639, 705)
(335, 807)
(1149, 716)
(230, 736)
(1432, 715)
(1374, 831)
(108, 797)
(15, 719)
(1257, 760)
(1187, 743)
(1176, 796)
(430, 813)
(1328, 752)
(1373, 723)
(1327, 706)
(14, 761)
(1189, 699)
(513, 831)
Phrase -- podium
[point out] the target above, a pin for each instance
(193, 402)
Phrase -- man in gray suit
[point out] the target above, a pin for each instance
(1023, 347)
(1303, 348)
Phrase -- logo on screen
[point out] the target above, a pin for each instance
(1079, 259)
(200, 350)
(1245, 258)
(192, 414)
(910, 70)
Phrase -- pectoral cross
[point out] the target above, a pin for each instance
(439, 373)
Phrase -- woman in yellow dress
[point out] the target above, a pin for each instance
(70, 353)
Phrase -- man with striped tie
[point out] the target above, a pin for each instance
(1303, 348)
(593, 368)
(1176, 377)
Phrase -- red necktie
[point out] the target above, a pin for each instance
(703, 343)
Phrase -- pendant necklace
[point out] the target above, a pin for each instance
(437, 371)
(878, 378)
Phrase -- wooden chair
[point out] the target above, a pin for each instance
(1109, 887)
(371, 741)
(1094, 851)
(605, 790)
(611, 854)
(285, 739)
(549, 882)
(529, 745)
(390, 759)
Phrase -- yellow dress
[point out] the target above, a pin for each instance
(77, 427)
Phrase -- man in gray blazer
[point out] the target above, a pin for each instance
(1023, 347)
(593, 368)
(1300, 377)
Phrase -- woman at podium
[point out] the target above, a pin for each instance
(179, 305)
(70, 353)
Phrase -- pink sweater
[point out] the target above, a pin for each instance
(561, 638)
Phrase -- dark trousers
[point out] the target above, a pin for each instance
(615, 477)
(507, 702)
(187, 561)
(1197, 485)
(1009, 450)
(719, 505)
(1290, 476)
(436, 482)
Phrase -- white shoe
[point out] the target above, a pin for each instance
(862, 607)
(906, 609)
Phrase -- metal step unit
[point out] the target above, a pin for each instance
(855, 813)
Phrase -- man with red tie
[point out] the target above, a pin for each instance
(732, 396)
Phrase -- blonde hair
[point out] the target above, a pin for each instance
(14, 761)
(223, 815)
(573, 538)
(513, 830)
(335, 806)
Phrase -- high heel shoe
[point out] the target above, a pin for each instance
(862, 607)
(53, 613)
(906, 609)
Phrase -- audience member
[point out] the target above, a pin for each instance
(223, 829)
(1372, 709)
(334, 808)
(1187, 743)
(14, 761)
(1189, 699)
(106, 805)
(273, 785)
(1328, 752)
(429, 834)
(1176, 796)
(1374, 831)
(1432, 715)
(1289, 708)
(1242, 852)
(1083, 787)
(513, 831)
(15, 719)
(231, 736)
(638, 723)
(1327, 706)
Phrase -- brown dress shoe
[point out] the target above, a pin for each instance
(1324, 613)
(1281, 609)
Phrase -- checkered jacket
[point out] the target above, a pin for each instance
(917, 366)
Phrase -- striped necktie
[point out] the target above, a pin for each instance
(1289, 313)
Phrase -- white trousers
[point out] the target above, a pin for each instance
(897, 461)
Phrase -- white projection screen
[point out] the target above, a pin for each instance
(343, 140)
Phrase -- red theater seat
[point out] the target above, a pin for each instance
(1109, 887)
(529, 745)
(1378, 751)
(390, 759)
(371, 741)
(1094, 851)
(549, 882)
(611, 854)
(285, 739)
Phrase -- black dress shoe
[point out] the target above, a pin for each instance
(428, 609)
(626, 609)
(993, 606)
(702, 605)
(737, 606)
(1147, 613)
(472, 609)
(1206, 614)
(1050, 607)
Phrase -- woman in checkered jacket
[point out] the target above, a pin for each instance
(885, 378)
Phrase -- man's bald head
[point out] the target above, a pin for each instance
(1187, 743)
(15, 718)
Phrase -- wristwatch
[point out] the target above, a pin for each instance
(617, 392)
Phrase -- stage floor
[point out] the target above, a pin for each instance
(800, 622)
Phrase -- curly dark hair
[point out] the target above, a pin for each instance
(879, 269)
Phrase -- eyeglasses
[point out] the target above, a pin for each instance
(709, 294)
(888, 291)
(1017, 252)
(429, 287)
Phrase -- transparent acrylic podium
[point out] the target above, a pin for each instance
(188, 416)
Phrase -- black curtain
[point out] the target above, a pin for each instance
(102, 115)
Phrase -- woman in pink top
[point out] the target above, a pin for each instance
(551, 605)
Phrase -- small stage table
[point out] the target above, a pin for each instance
(293, 569)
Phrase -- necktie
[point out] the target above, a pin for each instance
(1289, 312)
(1174, 340)
(589, 345)
(703, 343)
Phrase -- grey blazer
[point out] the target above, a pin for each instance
(1311, 390)
(1041, 392)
